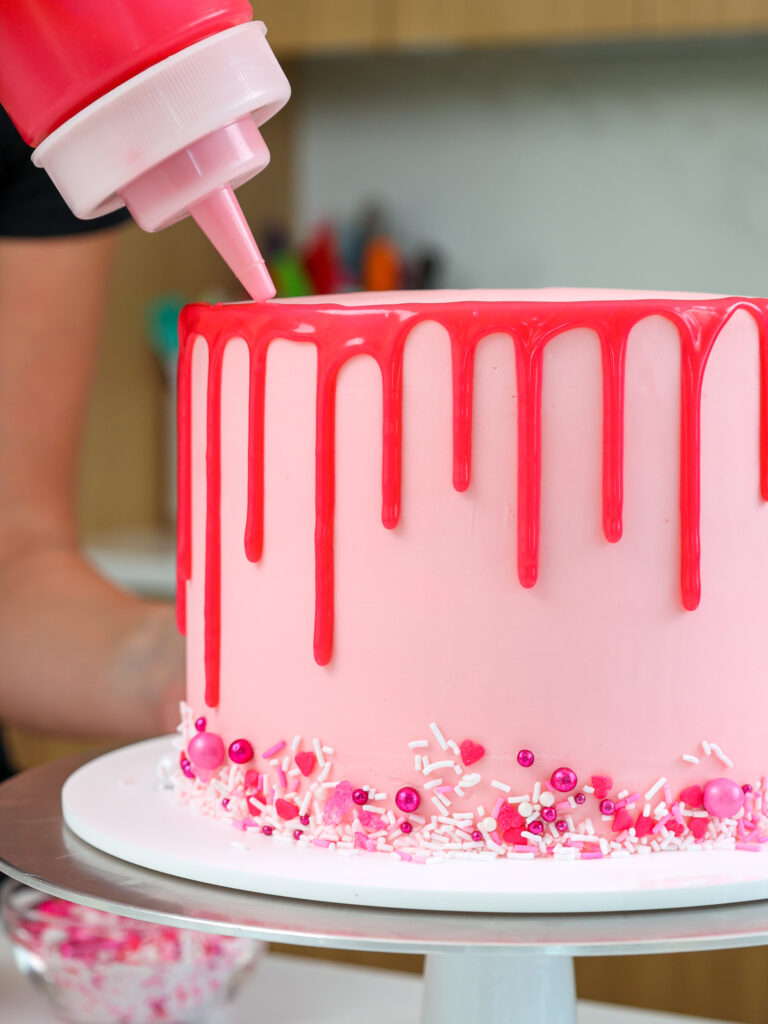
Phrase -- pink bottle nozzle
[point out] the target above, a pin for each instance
(199, 180)
(221, 219)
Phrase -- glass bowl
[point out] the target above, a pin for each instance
(98, 968)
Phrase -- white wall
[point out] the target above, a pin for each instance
(642, 166)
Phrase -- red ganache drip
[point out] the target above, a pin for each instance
(342, 332)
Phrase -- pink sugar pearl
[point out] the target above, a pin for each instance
(723, 798)
(525, 758)
(360, 796)
(206, 750)
(561, 826)
(406, 827)
(240, 751)
(548, 813)
(564, 780)
(407, 799)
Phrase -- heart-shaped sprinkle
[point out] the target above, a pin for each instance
(509, 817)
(251, 779)
(602, 785)
(305, 762)
(471, 752)
(622, 819)
(692, 796)
(514, 835)
(698, 827)
(644, 825)
(286, 809)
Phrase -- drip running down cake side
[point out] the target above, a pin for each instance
(477, 574)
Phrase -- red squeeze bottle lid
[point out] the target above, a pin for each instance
(173, 139)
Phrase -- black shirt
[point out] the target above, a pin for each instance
(30, 206)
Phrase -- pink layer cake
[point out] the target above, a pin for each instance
(477, 573)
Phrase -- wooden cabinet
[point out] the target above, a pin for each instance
(299, 28)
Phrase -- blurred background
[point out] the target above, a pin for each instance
(450, 143)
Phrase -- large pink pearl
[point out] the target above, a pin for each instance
(240, 751)
(564, 780)
(206, 750)
(407, 799)
(723, 798)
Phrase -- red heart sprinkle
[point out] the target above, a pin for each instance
(471, 752)
(698, 827)
(622, 819)
(514, 835)
(692, 796)
(602, 785)
(305, 762)
(509, 817)
(675, 827)
(643, 825)
(286, 809)
(251, 778)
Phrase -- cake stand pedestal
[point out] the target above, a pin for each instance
(494, 968)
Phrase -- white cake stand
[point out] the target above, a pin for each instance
(494, 968)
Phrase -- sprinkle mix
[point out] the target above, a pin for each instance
(288, 793)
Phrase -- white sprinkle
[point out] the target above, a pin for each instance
(374, 808)
(623, 793)
(525, 808)
(691, 759)
(438, 735)
(439, 803)
(536, 792)
(454, 747)
(706, 747)
(721, 756)
(461, 815)
(286, 763)
(655, 788)
(571, 802)
(327, 785)
(467, 781)
(433, 782)
(274, 761)
(325, 772)
(458, 791)
(572, 827)
(437, 765)
(480, 811)
(318, 752)
(529, 835)
(294, 771)
(414, 744)
(329, 751)
(588, 789)
(647, 811)
(547, 799)
(458, 769)
(501, 785)
(380, 796)
(603, 846)
(418, 819)
(417, 762)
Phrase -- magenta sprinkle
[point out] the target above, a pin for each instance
(360, 796)
(274, 750)
(304, 819)
(225, 802)
(564, 779)
(561, 826)
(297, 833)
(267, 830)
(607, 806)
(206, 750)
(406, 827)
(186, 766)
(240, 751)
(200, 724)
(477, 835)
(536, 828)
(548, 813)
(746, 788)
(580, 798)
(407, 799)
(525, 758)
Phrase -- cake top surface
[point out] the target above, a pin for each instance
(554, 294)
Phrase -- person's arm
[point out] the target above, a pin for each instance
(77, 655)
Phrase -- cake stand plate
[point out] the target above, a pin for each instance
(495, 968)
(117, 804)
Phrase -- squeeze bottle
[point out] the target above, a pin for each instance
(151, 104)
